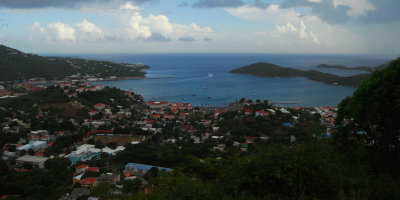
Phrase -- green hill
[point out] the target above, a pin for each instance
(265, 69)
(16, 65)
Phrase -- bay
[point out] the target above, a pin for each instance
(204, 79)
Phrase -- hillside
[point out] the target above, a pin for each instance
(16, 65)
(265, 69)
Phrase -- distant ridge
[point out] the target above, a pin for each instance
(361, 68)
(17, 65)
(265, 69)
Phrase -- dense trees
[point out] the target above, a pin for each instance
(372, 114)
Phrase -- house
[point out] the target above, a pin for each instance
(109, 178)
(262, 113)
(92, 113)
(93, 169)
(81, 168)
(72, 95)
(88, 182)
(250, 140)
(35, 161)
(248, 112)
(99, 106)
(140, 169)
(169, 117)
(157, 104)
(81, 89)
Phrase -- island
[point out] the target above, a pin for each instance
(17, 65)
(341, 67)
(265, 69)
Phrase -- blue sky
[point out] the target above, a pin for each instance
(197, 26)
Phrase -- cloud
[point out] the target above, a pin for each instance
(61, 32)
(186, 39)
(134, 26)
(218, 3)
(89, 32)
(84, 31)
(24, 4)
(300, 33)
(260, 4)
(208, 39)
(386, 11)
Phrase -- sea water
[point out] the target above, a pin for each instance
(204, 79)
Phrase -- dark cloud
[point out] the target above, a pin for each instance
(325, 10)
(35, 4)
(386, 11)
(157, 37)
(186, 39)
(218, 3)
(260, 4)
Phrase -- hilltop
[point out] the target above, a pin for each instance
(265, 69)
(17, 65)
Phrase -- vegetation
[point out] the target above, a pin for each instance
(374, 110)
(265, 69)
(16, 65)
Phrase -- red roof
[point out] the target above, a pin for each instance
(93, 169)
(263, 112)
(82, 166)
(50, 144)
(88, 181)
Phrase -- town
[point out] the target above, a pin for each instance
(112, 138)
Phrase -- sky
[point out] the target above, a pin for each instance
(202, 26)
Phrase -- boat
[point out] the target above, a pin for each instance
(209, 97)
(205, 87)
(193, 94)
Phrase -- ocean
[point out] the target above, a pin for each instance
(204, 79)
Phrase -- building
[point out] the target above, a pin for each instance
(140, 169)
(88, 182)
(84, 153)
(261, 113)
(35, 145)
(157, 104)
(81, 168)
(99, 106)
(35, 161)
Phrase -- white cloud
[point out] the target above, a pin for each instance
(89, 32)
(138, 28)
(315, 1)
(358, 7)
(296, 33)
(129, 6)
(61, 32)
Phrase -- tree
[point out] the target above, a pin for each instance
(372, 114)
(112, 145)
(31, 151)
(98, 144)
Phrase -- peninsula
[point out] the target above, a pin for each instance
(17, 65)
(265, 69)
